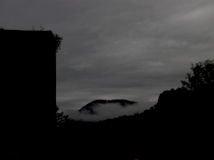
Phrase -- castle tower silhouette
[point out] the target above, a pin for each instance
(28, 84)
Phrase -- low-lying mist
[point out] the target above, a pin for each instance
(106, 111)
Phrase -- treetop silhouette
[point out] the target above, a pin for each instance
(200, 77)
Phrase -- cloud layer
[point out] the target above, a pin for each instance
(118, 49)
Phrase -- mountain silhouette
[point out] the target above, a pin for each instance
(90, 107)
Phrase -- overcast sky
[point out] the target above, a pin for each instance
(130, 49)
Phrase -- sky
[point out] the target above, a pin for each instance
(118, 49)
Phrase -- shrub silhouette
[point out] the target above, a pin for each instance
(61, 118)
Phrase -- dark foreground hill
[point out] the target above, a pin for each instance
(179, 126)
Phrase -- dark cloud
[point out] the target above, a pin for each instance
(130, 49)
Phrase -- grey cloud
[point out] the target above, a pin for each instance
(131, 49)
(143, 50)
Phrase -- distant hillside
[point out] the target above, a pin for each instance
(90, 107)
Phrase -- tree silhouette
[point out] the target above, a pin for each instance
(57, 42)
(61, 119)
(201, 77)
